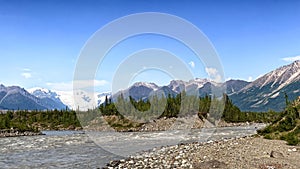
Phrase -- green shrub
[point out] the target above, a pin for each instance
(285, 126)
(267, 136)
(292, 139)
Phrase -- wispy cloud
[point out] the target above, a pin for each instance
(291, 59)
(89, 83)
(79, 84)
(213, 74)
(192, 64)
(26, 73)
(61, 86)
(27, 70)
(250, 79)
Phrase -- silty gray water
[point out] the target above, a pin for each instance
(69, 149)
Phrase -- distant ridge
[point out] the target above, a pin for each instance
(268, 91)
(48, 98)
(263, 94)
(17, 98)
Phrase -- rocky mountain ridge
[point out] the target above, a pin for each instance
(263, 94)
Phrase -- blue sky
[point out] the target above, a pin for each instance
(40, 41)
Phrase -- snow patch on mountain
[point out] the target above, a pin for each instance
(101, 97)
(146, 84)
(180, 85)
(48, 98)
(15, 97)
(283, 76)
(272, 85)
(275, 95)
(43, 93)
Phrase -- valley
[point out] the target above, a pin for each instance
(149, 84)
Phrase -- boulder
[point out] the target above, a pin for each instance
(209, 164)
(276, 154)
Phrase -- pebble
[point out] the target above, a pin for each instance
(292, 150)
(183, 155)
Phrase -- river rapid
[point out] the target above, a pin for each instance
(73, 149)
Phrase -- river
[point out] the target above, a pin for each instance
(72, 149)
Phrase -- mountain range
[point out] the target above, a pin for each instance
(268, 91)
(265, 93)
(15, 98)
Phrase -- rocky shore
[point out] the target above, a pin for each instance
(109, 123)
(16, 133)
(181, 123)
(246, 152)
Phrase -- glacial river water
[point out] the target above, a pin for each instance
(70, 149)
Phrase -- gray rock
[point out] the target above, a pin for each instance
(210, 164)
(276, 154)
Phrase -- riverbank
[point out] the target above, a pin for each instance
(115, 123)
(162, 124)
(246, 152)
(183, 123)
(16, 133)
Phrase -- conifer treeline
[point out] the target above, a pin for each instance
(181, 105)
(24, 120)
(155, 107)
(286, 126)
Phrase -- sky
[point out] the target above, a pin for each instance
(40, 41)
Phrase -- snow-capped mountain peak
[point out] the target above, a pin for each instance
(180, 85)
(280, 77)
(49, 98)
(43, 93)
(31, 90)
(146, 84)
(268, 91)
(200, 80)
(15, 97)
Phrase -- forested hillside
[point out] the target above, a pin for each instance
(286, 126)
(39, 120)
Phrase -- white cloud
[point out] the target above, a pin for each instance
(213, 74)
(192, 64)
(26, 70)
(89, 83)
(211, 71)
(62, 86)
(291, 59)
(79, 84)
(250, 79)
(228, 78)
(26, 75)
